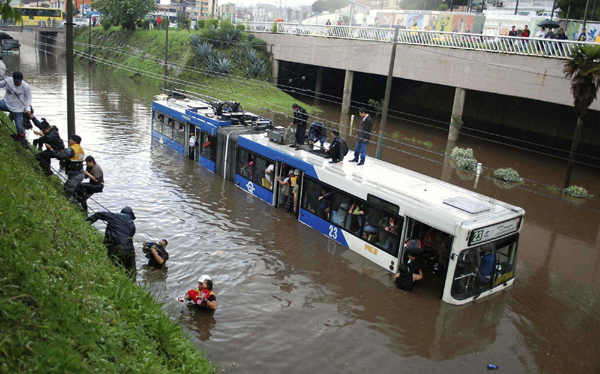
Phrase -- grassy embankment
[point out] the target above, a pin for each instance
(64, 307)
(150, 45)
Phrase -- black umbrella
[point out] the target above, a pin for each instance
(549, 24)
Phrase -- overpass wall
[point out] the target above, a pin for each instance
(512, 75)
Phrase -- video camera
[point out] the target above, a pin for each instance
(146, 249)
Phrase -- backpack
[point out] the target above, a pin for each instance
(289, 136)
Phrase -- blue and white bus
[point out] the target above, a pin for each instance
(372, 209)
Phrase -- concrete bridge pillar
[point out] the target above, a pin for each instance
(453, 131)
(347, 91)
(275, 72)
(457, 111)
(319, 83)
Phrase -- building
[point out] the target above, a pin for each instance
(207, 8)
(227, 11)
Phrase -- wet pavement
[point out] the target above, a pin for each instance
(290, 299)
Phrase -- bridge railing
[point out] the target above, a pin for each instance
(551, 48)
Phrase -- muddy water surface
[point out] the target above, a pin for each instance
(292, 301)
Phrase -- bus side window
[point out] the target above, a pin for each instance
(243, 166)
(310, 200)
(258, 177)
(340, 210)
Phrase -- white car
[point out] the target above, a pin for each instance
(80, 22)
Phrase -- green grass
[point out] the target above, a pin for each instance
(64, 307)
(150, 45)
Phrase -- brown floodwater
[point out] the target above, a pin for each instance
(291, 300)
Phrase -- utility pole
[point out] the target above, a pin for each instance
(90, 39)
(517, 7)
(352, 12)
(167, 51)
(70, 72)
(554, 7)
(593, 11)
(386, 98)
(587, 6)
(451, 5)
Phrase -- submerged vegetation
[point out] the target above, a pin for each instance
(64, 307)
(464, 158)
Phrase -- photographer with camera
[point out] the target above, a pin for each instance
(156, 253)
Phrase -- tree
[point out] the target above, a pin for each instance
(577, 9)
(322, 5)
(124, 12)
(75, 10)
(583, 69)
(8, 13)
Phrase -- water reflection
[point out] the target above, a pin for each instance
(292, 300)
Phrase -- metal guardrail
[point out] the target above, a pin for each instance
(551, 48)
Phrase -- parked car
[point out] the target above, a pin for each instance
(10, 45)
(81, 22)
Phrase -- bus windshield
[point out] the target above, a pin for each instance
(483, 267)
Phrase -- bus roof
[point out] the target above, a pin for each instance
(391, 182)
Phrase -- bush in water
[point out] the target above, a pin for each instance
(508, 175)
(577, 191)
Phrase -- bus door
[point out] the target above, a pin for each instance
(435, 249)
(198, 146)
(284, 184)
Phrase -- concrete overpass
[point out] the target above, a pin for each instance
(538, 78)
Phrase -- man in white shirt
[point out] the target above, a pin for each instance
(541, 34)
(191, 146)
(17, 99)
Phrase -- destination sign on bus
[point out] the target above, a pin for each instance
(494, 231)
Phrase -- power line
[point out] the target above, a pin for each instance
(175, 81)
(216, 74)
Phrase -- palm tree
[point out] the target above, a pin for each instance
(9, 13)
(584, 71)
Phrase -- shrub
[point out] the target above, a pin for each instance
(462, 153)
(253, 56)
(258, 44)
(222, 65)
(185, 24)
(201, 23)
(238, 55)
(464, 158)
(196, 41)
(241, 28)
(205, 51)
(106, 24)
(211, 22)
(577, 191)
(274, 28)
(255, 69)
(469, 164)
(226, 25)
(508, 175)
(250, 37)
(443, 7)
(146, 24)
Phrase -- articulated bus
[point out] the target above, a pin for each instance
(372, 209)
(42, 17)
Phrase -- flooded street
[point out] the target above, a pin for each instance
(290, 300)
